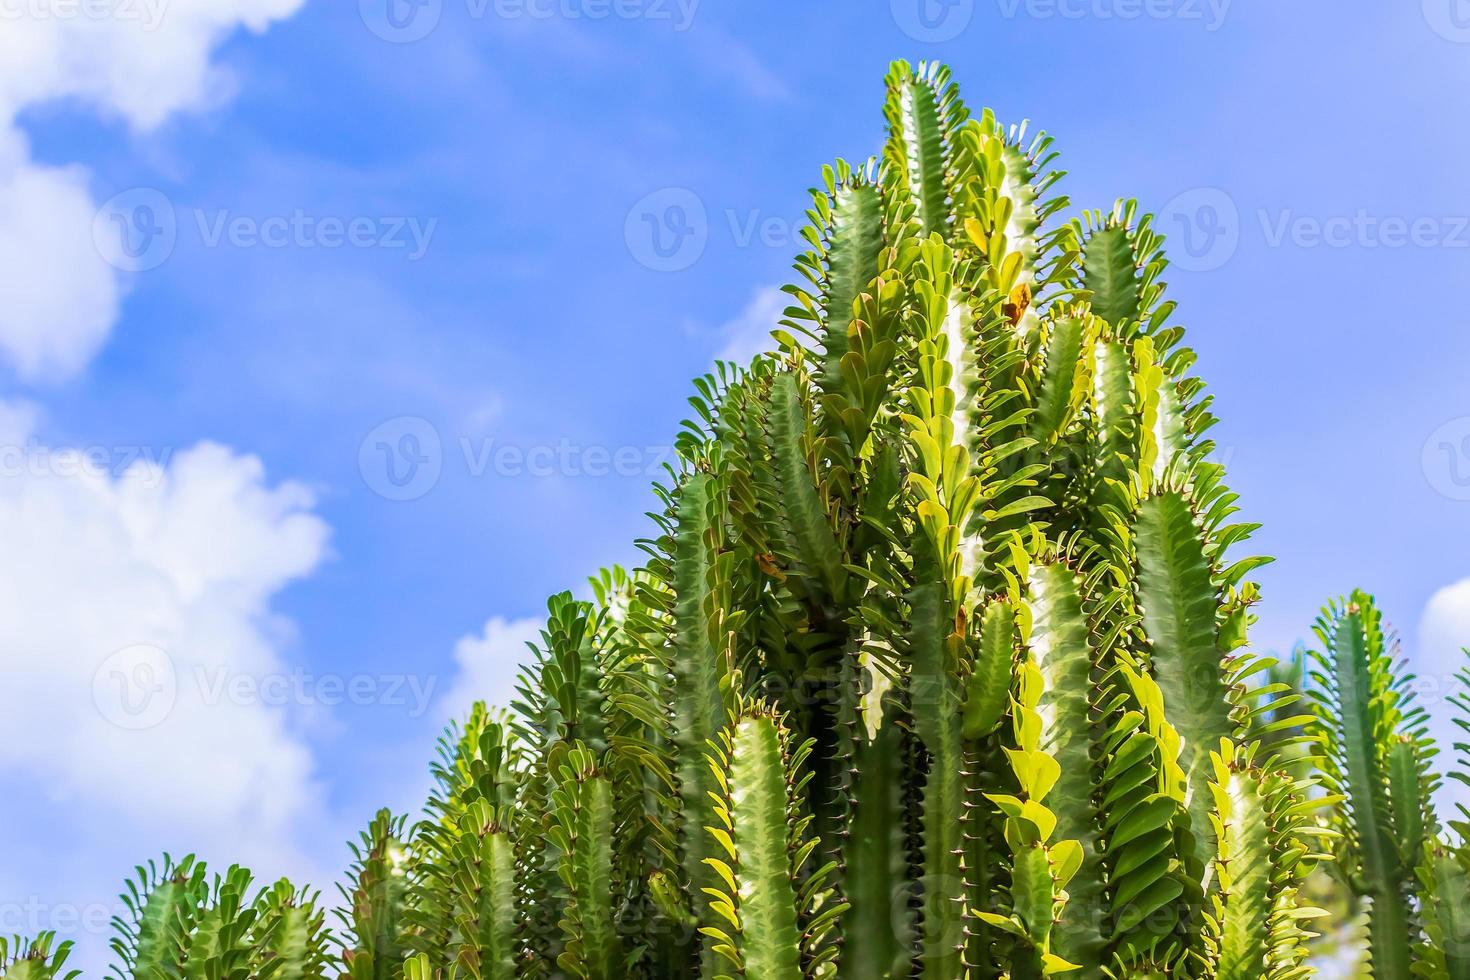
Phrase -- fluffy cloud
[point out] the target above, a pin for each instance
(161, 571)
(1444, 633)
(140, 60)
(134, 599)
(488, 664)
(60, 296)
(1444, 630)
(750, 333)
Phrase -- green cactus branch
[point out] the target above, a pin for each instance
(937, 665)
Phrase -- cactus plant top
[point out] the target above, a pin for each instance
(937, 666)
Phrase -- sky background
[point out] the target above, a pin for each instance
(335, 336)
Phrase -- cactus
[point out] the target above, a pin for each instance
(937, 666)
(35, 960)
(1376, 757)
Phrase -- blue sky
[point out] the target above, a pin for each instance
(366, 242)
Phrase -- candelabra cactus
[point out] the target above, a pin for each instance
(1375, 758)
(937, 666)
(35, 960)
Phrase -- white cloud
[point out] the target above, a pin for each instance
(124, 596)
(139, 60)
(129, 594)
(17, 422)
(1444, 633)
(142, 60)
(488, 665)
(1444, 630)
(750, 333)
(60, 297)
